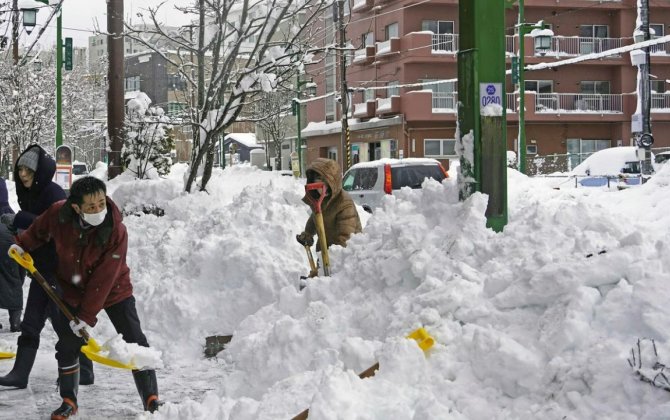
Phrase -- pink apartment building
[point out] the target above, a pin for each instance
(401, 48)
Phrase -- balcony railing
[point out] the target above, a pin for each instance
(577, 45)
(445, 101)
(578, 103)
(360, 55)
(444, 43)
(660, 101)
(384, 47)
(512, 102)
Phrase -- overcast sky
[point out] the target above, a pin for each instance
(82, 17)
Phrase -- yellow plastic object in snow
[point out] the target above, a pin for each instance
(422, 338)
(91, 349)
(6, 355)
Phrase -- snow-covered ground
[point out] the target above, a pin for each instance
(526, 323)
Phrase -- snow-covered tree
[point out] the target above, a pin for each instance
(27, 110)
(241, 49)
(148, 140)
(272, 113)
(85, 113)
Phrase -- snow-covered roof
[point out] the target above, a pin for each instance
(247, 139)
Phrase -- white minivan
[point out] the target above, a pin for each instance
(368, 182)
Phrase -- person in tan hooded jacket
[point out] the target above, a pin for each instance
(340, 217)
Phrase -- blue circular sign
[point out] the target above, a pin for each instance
(490, 90)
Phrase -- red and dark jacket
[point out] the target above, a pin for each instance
(92, 267)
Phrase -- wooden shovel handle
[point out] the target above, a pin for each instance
(26, 261)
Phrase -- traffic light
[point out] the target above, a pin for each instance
(68, 54)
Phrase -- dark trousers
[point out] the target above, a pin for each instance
(124, 318)
(39, 306)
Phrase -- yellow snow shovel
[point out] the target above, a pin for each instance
(7, 355)
(91, 349)
(318, 220)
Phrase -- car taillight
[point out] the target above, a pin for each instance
(446, 175)
(387, 179)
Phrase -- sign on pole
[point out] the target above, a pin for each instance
(63, 176)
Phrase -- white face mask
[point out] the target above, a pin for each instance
(94, 219)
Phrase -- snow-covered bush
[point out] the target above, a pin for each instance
(148, 139)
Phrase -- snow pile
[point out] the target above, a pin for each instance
(533, 322)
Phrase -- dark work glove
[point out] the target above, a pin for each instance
(7, 219)
(305, 239)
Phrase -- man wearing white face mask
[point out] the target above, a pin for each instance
(92, 242)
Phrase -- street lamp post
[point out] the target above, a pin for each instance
(296, 111)
(542, 44)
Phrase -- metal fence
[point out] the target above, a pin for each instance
(578, 102)
(445, 42)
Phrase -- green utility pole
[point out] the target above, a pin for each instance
(59, 73)
(59, 77)
(481, 112)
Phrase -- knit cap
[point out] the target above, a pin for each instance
(29, 159)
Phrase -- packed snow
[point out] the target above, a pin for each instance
(535, 322)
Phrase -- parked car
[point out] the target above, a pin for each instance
(79, 168)
(368, 182)
(613, 167)
(662, 158)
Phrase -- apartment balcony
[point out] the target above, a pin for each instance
(388, 106)
(384, 48)
(362, 5)
(365, 109)
(425, 47)
(364, 55)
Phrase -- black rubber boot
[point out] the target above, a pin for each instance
(147, 386)
(86, 376)
(68, 382)
(15, 320)
(18, 376)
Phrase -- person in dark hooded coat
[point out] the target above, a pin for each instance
(11, 274)
(36, 192)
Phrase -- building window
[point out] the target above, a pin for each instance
(392, 89)
(175, 107)
(580, 149)
(438, 26)
(531, 149)
(444, 94)
(368, 39)
(657, 86)
(391, 31)
(539, 86)
(332, 153)
(658, 31)
(439, 148)
(591, 38)
(330, 87)
(601, 87)
(132, 83)
(369, 95)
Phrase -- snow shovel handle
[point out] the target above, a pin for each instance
(26, 261)
(316, 203)
(314, 271)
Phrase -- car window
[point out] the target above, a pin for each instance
(631, 168)
(78, 169)
(413, 176)
(661, 158)
(360, 179)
